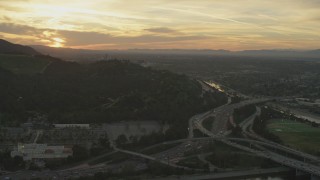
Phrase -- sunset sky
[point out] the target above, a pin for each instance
(159, 24)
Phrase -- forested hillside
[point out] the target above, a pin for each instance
(100, 92)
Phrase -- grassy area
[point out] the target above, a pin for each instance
(207, 123)
(242, 113)
(23, 64)
(237, 160)
(225, 156)
(193, 162)
(296, 134)
(211, 147)
(160, 148)
(198, 133)
(111, 158)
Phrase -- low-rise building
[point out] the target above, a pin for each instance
(41, 151)
(60, 126)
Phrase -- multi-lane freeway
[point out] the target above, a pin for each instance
(223, 114)
(229, 175)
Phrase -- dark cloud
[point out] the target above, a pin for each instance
(86, 38)
(77, 38)
(161, 30)
(18, 29)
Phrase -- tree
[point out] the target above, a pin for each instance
(104, 142)
(236, 131)
(79, 153)
(121, 140)
(11, 164)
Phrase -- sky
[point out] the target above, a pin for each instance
(163, 24)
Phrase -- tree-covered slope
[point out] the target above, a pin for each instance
(24, 64)
(104, 92)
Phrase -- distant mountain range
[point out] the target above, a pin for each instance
(73, 54)
(10, 48)
(282, 53)
(85, 54)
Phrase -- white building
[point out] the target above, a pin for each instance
(60, 126)
(41, 151)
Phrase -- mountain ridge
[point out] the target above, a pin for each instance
(281, 53)
(7, 47)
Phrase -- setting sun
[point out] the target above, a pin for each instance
(57, 42)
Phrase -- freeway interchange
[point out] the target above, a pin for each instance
(252, 143)
(219, 131)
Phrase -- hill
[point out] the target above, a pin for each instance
(10, 48)
(99, 92)
(24, 64)
(107, 91)
(22, 59)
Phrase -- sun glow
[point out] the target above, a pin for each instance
(57, 42)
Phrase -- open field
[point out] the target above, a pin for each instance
(23, 64)
(298, 135)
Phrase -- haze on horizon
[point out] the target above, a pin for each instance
(163, 24)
